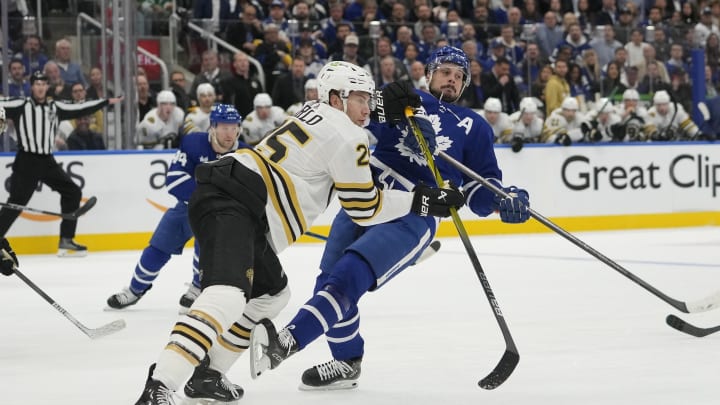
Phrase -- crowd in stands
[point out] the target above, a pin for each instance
(541, 70)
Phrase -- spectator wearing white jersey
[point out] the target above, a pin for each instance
(264, 118)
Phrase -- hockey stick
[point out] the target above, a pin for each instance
(511, 357)
(95, 333)
(70, 215)
(691, 330)
(429, 251)
(316, 235)
(702, 305)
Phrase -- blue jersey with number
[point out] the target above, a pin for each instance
(461, 133)
(195, 148)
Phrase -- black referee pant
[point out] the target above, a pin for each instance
(28, 169)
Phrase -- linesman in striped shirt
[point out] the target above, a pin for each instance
(36, 120)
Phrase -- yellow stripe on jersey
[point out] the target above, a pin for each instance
(369, 199)
(358, 187)
(276, 196)
(360, 203)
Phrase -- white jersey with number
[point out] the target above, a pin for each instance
(679, 121)
(556, 124)
(254, 129)
(313, 156)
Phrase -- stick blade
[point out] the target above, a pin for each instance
(502, 371)
(86, 207)
(105, 330)
(677, 323)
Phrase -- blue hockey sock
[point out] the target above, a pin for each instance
(147, 269)
(349, 279)
(344, 337)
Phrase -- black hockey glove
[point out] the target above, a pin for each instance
(8, 260)
(436, 202)
(513, 210)
(391, 100)
(427, 131)
(517, 143)
(563, 139)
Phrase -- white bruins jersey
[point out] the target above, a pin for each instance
(502, 127)
(151, 131)
(529, 133)
(196, 120)
(605, 127)
(254, 129)
(556, 124)
(679, 122)
(313, 156)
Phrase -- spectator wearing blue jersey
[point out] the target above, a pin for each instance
(18, 86)
(173, 231)
(360, 259)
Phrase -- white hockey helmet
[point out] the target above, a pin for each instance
(661, 97)
(262, 100)
(631, 94)
(604, 105)
(570, 103)
(492, 104)
(205, 88)
(166, 96)
(527, 105)
(343, 77)
(311, 84)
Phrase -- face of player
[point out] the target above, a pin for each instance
(358, 107)
(225, 136)
(630, 104)
(492, 117)
(527, 118)
(662, 108)
(446, 82)
(164, 110)
(206, 100)
(263, 113)
(569, 114)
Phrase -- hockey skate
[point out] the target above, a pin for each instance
(125, 298)
(155, 392)
(187, 299)
(210, 387)
(333, 375)
(268, 348)
(68, 248)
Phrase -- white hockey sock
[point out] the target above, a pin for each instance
(193, 335)
(234, 342)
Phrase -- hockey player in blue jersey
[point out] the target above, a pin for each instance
(357, 260)
(173, 231)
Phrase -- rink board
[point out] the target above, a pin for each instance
(580, 187)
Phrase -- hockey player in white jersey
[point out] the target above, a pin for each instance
(669, 121)
(161, 125)
(633, 117)
(602, 124)
(498, 120)
(198, 117)
(311, 94)
(263, 119)
(562, 126)
(526, 126)
(273, 194)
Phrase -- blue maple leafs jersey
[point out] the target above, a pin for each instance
(195, 148)
(461, 133)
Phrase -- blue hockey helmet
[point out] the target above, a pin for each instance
(449, 54)
(224, 114)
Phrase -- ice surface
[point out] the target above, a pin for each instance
(586, 334)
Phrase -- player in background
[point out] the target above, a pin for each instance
(526, 126)
(198, 118)
(562, 126)
(160, 127)
(498, 120)
(173, 231)
(602, 124)
(263, 119)
(669, 121)
(311, 94)
(361, 259)
(7, 264)
(634, 117)
(273, 194)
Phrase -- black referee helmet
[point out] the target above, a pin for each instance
(38, 76)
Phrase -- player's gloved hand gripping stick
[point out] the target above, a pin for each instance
(510, 359)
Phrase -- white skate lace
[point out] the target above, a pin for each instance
(287, 341)
(126, 296)
(164, 396)
(333, 369)
(228, 386)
